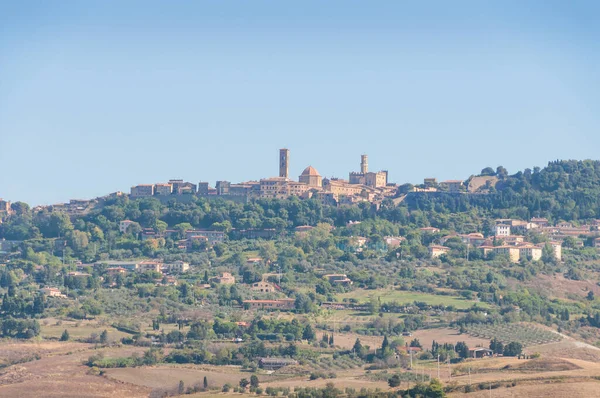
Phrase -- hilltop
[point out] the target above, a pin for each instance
(296, 291)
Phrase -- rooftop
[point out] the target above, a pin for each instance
(310, 171)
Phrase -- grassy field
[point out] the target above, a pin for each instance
(59, 373)
(53, 329)
(542, 389)
(167, 376)
(408, 297)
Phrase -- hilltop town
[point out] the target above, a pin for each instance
(350, 287)
(360, 186)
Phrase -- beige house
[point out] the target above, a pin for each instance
(116, 270)
(178, 267)
(452, 185)
(145, 266)
(142, 190)
(394, 241)
(281, 304)
(513, 239)
(437, 251)
(338, 279)
(540, 222)
(52, 292)
(225, 279)
(502, 230)
(124, 225)
(163, 189)
(511, 251)
(263, 287)
(557, 246)
(530, 251)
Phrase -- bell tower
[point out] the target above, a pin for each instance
(364, 164)
(284, 162)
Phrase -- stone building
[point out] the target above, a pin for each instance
(311, 177)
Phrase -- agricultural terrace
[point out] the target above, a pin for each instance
(526, 334)
(389, 295)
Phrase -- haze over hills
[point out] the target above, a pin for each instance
(155, 241)
(497, 274)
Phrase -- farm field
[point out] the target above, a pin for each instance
(447, 335)
(168, 376)
(400, 296)
(526, 334)
(588, 389)
(509, 369)
(425, 337)
(14, 352)
(328, 364)
(568, 349)
(347, 340)
(53, 329)
(59, 373)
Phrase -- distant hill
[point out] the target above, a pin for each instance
(481, 183)
(563, 190)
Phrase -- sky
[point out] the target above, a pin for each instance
(97, 96)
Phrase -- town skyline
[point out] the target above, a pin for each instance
(273, 173)
(104, 100)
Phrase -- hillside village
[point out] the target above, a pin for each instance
(295, 290)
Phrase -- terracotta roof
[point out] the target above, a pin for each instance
(310, 171)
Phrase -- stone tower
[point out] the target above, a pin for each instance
(284, 162)
(364, 164)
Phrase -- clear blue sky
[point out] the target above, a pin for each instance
(96, 96)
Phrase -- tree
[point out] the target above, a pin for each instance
(331, 340)
(462, 349)
(181, 387)
(308, 333)
(513, 349)
(65, 336)
(104, 337)
(244, 383)
(501, 172)
(358, 347)
(416, 343)
(161, 226)
(590, 296)
(548, 254)
(254, 381)
(385, 344)
(496, 346)
(488, 171)
(205, 383)
(394, 381)
(435, 389)
(79, 240)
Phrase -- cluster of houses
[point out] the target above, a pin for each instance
(122, 267)
(508, 241)
(361, 186)
(192, 236)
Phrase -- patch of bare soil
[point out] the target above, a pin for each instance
(558, 286)
(479, 182)
(569, 349)
(168, 376)
(60, 373)
(543, 389)
(546, 365)
(14, 352)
